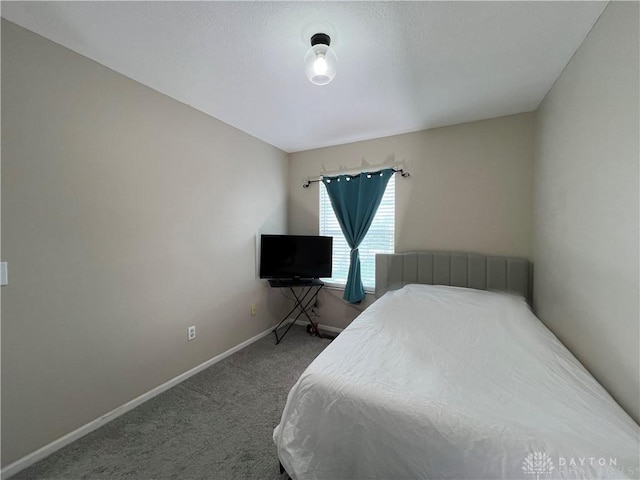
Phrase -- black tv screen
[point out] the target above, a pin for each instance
(295, 256)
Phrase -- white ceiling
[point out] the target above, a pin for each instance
(402, 66)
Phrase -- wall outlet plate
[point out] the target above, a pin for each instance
(254, 310)
(191, 332)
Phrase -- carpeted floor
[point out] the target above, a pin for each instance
(217, 424)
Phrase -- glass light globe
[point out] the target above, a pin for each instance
(320, 64)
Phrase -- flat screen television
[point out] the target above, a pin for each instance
(295, 256)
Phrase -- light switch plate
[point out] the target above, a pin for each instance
(4, 274)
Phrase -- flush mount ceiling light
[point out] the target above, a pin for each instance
(320, 61)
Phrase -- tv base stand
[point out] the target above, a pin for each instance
(304, 300)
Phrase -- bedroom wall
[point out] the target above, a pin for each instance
(586, 210)
(126, 217)
(470, 190)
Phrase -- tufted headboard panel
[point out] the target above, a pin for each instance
(458, 269)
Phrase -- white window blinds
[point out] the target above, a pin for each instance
(379, 239)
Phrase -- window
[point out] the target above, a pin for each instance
(379, 239)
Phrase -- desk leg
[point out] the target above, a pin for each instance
(302, 302)
(279, 339)
(304, 308)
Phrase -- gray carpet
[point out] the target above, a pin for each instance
(217, 424)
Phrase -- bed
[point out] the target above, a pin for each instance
(455, 380)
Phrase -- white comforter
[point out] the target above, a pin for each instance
(446, 382)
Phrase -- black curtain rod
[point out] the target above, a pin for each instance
(319, 179)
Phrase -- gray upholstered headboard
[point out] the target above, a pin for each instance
(471, 270)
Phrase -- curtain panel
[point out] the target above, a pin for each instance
(355, 200)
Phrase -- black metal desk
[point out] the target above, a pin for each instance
(303, 300)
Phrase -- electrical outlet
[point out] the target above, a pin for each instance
(191, 332)
(254, 310)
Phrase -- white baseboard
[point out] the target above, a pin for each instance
(328, 328)
(61, 442)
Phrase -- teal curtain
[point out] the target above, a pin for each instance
(355, 200)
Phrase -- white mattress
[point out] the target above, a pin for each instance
(447, 382)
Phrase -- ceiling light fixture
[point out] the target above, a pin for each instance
(320, 61)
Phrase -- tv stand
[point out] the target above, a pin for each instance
(295, 282)
(303, 301)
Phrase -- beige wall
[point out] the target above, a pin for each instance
(585, 238)
(470, 190)
(126, 217)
